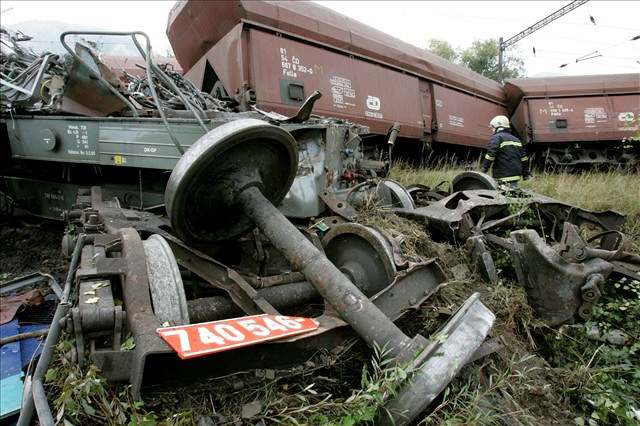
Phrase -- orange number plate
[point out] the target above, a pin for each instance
(194, 340)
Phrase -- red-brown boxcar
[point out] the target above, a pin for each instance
(277, 53)
(577, 119)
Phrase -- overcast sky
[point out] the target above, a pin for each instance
(460, 23)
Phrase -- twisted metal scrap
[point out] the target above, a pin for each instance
(138, 88)
(26, 79)
(24, 74)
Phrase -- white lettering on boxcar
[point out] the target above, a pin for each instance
(293, 67)
(456, 121)
(595, 115)
(342, 92)
(555, 110)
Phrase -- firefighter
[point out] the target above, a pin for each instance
(506, 153)
(629, 146)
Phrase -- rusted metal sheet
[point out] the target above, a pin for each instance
(462, 119)
(227, 59)
(83, 94)
(194, 27)
(579, 118)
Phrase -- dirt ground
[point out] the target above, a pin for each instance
(31, 245)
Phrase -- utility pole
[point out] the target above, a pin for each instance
(500, 57)
(503, 45)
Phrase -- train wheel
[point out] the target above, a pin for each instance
(363, 254)
(165, 283)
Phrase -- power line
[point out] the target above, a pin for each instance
(590, 41)
(613, 27)
(541, 53)
(542, 23)
(598, 53)
(533, 28)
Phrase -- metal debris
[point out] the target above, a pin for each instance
(561, 272)
(563, 281)
(80, 83)
(359, 272)
(24, 73)
(225, 188)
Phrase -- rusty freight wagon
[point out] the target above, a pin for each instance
(577, 120)
(274, 55)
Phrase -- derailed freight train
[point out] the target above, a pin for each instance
(273, 54)
(159, 181)
(578, 120)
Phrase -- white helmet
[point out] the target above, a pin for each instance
(499, 121)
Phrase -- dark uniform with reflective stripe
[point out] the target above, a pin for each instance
(629, 146)
(509, 158)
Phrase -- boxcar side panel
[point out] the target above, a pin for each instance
(589, 118)
(462, 119)
(284, 71)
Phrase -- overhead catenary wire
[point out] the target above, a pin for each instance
(598, 53)
(612, 27)
(563, 54)
(504, 44)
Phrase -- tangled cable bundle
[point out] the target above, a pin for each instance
(138, 89)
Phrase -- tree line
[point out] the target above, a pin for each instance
(481, 57)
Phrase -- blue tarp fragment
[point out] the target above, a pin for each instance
(10, 371)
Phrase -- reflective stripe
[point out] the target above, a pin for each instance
(510, 143)
(509, 178)
(490, 158)
(525, 158)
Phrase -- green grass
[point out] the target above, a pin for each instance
(589, 190)
(613, 190)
